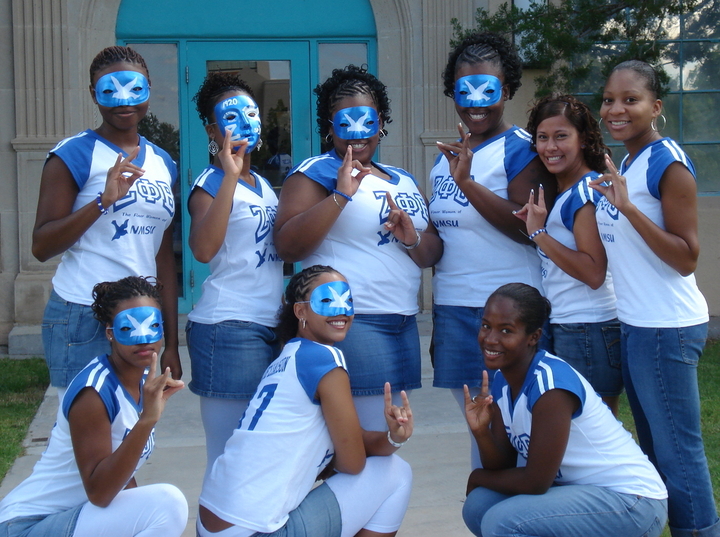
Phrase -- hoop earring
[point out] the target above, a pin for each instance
(383, 133)
(213, 147)
(328, 138)
(654, 125)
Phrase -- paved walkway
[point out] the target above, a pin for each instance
(438, 453)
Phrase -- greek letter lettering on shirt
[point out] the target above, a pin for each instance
(446, 188)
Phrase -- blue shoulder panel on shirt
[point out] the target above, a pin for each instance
(99, 376)
(322, 169)
(663, 153)
(580, 194)
(313, 361)
(209, 180)
(518, 152)
(550, 373)
(76, 152)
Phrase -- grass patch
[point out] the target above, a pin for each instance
(709, 382)
(22, 387)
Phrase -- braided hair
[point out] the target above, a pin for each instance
(116, 54)
(107, 295)
(484, 47)
(296, 291)
(579, 116)
(215, 85)
(533, 308)
(349, 82)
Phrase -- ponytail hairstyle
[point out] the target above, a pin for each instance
(534, 309)
(296, 291)
(107, 295)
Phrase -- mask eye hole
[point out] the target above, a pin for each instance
(125, 329)
(344, 124)
(107, 91)
(230, 116)
(326, 300)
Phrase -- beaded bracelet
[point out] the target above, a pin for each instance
(396, 444)
(98, 200)
(536, 233)
(342, 194)
(413, 246)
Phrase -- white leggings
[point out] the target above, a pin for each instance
(371, 410)
(375, 499)
(220, 418)
(459, 396)
(158, 510)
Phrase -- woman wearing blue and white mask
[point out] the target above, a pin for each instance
(106, 203)
(478, 183)
(370, 224)
(230, 331)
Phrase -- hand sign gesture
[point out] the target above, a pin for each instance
(459, 155)
(612, 185)
(350, 174)
(232, 162)
(399, 419)
(121, 177)
(534, 214)
(157, 390)
(400, 223)
(478, 409)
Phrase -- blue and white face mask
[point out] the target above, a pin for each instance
(122, 88)
(356, 123)
(240, 114)
(476, 91)
(138, 326)
(331, 299)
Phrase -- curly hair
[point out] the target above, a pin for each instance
(580, 117)
(296, 291)
(646, 72)
(107, 295)
(349, 82)
(484, 47)
(116, 54)
(534, 309)
(215, 85)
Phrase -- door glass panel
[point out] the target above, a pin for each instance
(338, 55)
(270, 82)
(161, 125)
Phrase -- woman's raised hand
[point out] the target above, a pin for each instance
(157, 390)
(399, 418)
(400, 223)
(459, 155)
(350, 174)
(612, 185)
(121, 177)
(478, 409)
(534, 214)
(232, 162)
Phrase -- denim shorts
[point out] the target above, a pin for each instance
(593, 349)
(61, 524)
(382, 348)
(71, 338)
(228, 359)
(455, 351)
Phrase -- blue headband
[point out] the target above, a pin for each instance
(240, 114)
(476, 91)
(138, 326)
(356, 123)
(122, 88)
(332, 299)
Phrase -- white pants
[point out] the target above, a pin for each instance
(158, 510)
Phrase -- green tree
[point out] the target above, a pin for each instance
(162, 134)
(577, 42)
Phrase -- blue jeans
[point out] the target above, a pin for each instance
(564, 511)
(61, 524)
(229, 358)
(71, 338)
(593, 349)
(382, 348)
(660, 374)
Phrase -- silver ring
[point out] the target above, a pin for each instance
(609, 183)
(473, 399)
